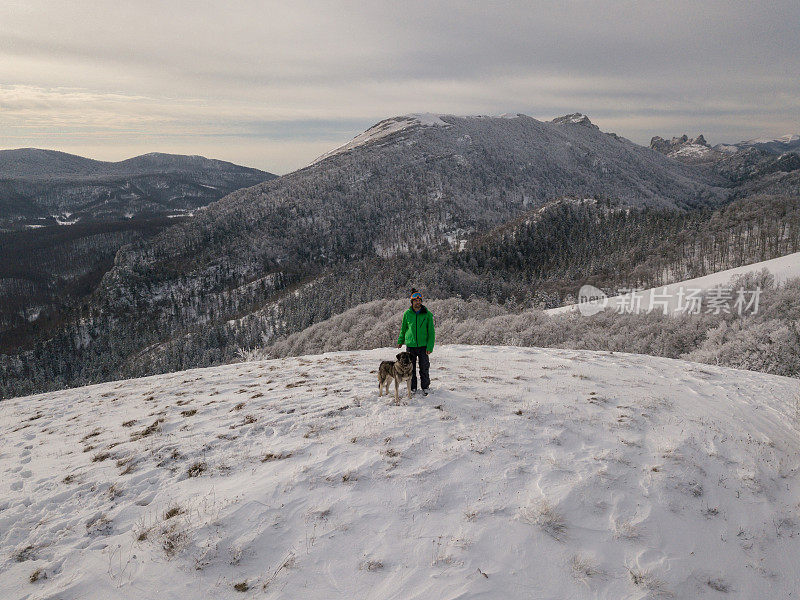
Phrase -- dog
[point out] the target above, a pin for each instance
(400, 370)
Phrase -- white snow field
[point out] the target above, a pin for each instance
(528, 473)
(669, 299)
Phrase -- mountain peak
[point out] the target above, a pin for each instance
(387, 127)
(573, 119)
(684, 148)
(409, 121)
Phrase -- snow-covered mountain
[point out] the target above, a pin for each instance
(699, 150)
(45, 187)
(528, 473)
(785, 143)
(408, 185)
(756, 166)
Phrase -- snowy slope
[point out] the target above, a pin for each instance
(782, 268)
(385, 128)
(529, 473)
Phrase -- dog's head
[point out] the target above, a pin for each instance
(404, 358)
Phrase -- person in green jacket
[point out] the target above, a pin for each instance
(417, 333)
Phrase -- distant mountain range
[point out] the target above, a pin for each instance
(684, 147)
(45, 187)
(764, 166)
(63, 218)
(273, 258)
(786, 143)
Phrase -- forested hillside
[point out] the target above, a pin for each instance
(64, 217)
(540, 260)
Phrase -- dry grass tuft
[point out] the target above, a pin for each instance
(23, 554)
(196, 469)
(718, 585)
(128, 463)
(149, 430)
(173, 511)
(113, 492)
(584, 568)
(173, 540)
(544, 515)
(91, 434)
(370, 565)
(37, 575)
(645, 579)
(269, 456)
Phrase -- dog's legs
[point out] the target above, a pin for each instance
(396, 391)
(408, 388)
(380, 386)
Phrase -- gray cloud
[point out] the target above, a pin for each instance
(298, 77)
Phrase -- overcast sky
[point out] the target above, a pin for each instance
(274, 85)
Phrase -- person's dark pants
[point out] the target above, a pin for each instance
(424, 366)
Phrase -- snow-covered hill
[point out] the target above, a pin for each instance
(672, 298)
(529, 473)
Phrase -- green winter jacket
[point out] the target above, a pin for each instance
(417, 329)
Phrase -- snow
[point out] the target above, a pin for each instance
(385, 128)
(788, 139)
(528, 473)
(782, 268)
(395, 124)
(574, 118)
(728, 149)
(784, 139)
(692, 150)
(32, 313)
